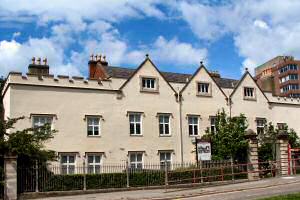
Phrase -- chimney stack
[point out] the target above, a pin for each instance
(37, 68)
(97, 66)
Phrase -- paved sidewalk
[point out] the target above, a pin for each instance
(247, 190)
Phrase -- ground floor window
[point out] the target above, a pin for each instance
(67, 162)
(136, 160)
(94, 163)
(165, 158)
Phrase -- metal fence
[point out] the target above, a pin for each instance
(43, 178)
(1, 178)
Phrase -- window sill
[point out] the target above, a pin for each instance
(150, 91)
(194, 135)
(94, 136)
(136, 135)
(250, 99)
(160, 135)
(204, 95)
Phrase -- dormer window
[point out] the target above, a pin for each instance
(203, 89)
(249, 93)
(149, 84)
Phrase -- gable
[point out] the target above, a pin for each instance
(202, 75)
(147, 69)
(248, 81)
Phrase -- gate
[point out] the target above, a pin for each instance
(293, 160)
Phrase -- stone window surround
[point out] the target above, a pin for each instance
(209, 94)
(248, 97)
(156, 84)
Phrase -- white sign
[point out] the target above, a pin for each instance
(204, 151)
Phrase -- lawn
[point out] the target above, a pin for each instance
(284, 197)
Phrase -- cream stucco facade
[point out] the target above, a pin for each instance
(69, 101)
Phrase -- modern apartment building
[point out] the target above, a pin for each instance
(140, 115)
(280, 76)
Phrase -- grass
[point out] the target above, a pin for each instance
(284, 197)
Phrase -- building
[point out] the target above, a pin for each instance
(280, 76)
(141, 115)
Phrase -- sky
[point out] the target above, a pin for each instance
(227, 35)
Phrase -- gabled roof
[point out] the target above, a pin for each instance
(196, 72)
(141, 65)
(242, 79)
(125, 73)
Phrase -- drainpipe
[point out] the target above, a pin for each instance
(179, 100)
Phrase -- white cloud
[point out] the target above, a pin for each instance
(261, 29)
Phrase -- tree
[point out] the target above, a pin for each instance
(229, 140)
(267, 141)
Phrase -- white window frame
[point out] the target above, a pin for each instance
(94, 163)
(148, 79)
(164, 123)
(88, 118)
(193, 125)
(162, 162)
(48, 118)
(67, 164)
(136, 162)
(199, 89)
(259, 125)
(213, 126)
(135, 122)
(246, 96)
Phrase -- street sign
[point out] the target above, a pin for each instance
(203, 150)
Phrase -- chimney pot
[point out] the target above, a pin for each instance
(45, 61)
(92, 57)
(33, 60)
(39, 61)
(104, 57)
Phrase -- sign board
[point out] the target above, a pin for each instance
(203, 150)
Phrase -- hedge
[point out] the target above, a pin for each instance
(49, 181)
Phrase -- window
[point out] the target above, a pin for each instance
(136, 160)
(203, 88)
(213, 120)
(67, 162)
(281, 126)
(260, 126)
(135, 123)
(93, 126)
(193, 125)
(39, 121)
(149, 84)
(94, 163)
(249, 93)
(287, 68)
(164, 124)
(165, 158)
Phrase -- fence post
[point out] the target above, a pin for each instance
(201, 172)
(166, 174)
(282, 153)
(10, 177)
(252, 165)
(36, 176)
(232, 170)
(127, 174)
(84, 175)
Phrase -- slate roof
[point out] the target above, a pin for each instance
(122, 72)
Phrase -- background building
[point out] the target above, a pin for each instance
(280, 76)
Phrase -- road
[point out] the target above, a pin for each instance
(245, 191)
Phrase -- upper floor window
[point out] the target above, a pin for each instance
(135, 123)
(260, 126)
(41, 120)
(203, 89)
(149, 84)
(213, 120)
(193, 122)
(249, 93)
(164, 124)
(165, 159)
(287, 68)
(281, 126)
(94, 163)
(67, 162)
(136, 160)
(93, 126)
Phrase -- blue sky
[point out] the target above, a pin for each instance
(227, 35)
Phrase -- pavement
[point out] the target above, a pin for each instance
(245, 191)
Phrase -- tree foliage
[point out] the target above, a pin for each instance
(267, 141)
(229, 140)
